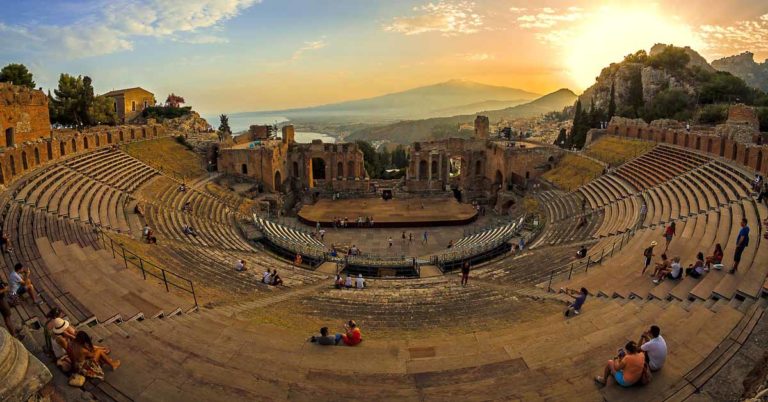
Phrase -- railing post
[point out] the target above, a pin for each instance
(587, 268)
(144, 274)
(194, 295)
(613, 246)
(570, 272)
(112, 246)
(551, 275)
(125, 260)
(165, 280)
(601, 256)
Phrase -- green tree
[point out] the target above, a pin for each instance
(612, 102)
(69, 100)
(562, 137)
(102, 111)
(668, 104)
(372, 166)
(635, 100)
(399, 157)
(17, 74)
(224, 124)
(724, 87)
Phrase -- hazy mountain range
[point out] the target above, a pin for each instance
(408, 131)
(443, 99)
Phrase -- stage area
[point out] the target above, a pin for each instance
(418, 212)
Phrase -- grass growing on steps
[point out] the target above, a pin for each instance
(616, 150)
(573, 171)
(168, 156)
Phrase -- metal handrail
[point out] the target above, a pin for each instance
(147, 267)
(593, 259)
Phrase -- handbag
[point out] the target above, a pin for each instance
(76, 380)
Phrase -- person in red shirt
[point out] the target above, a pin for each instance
(352, 337)
(668, 234)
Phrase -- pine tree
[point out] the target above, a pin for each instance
(224, 126)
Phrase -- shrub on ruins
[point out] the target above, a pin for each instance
(669, 104)
(161, 113)
(713, 114)
(17, 74)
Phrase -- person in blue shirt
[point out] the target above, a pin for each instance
(742, 241)
(578, 300)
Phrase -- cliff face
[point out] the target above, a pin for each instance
(744, 66)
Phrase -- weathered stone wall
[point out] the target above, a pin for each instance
(718, 142)
(21, 158)
(23, 115)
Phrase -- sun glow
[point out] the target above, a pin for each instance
(609, 34)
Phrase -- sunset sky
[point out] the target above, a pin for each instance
(245, 55)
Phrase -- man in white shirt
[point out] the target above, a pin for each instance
(240, 266)
(267, 278)
(20, 283)
(360, 282)
(655, 347)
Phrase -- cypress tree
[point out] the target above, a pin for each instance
(612, 102)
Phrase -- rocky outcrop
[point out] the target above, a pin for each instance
(190, 123)
(744, 66)
(696, 59)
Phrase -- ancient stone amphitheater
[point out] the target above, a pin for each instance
(186, 326)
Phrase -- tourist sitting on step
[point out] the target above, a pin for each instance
(578, 300)
(351, 336)
(324, 339)
(348, 282)
(673, 271)
(187, 207)
(145, 231)
(716, 258)
(151, 239)
(626, 368)
(582, 222)
(5, 310)
(297, 260)
(276, 280)
(5, 243)
(189, 230)
(763, 193)
(62, 334)
(182, 188)
(87, 359)
(21, 284)
(360, 282)
(339, 282)
(662, 265)
(582, 252)
(696, 270)
(655, 347)
(266, 277)
(240, 266)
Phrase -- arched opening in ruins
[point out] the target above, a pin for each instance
(24, 165)
(318, 168)
(759, 162)
(13, 165)
(62, 149)
(734, 151)
(2, 176)
(479, 168)
(278, 181)
(109, 137)
(455, 169)
(423, 170)
(133, 134)
(49, 150)
(244, 168)
(37, 156)
(143, 132)
(434, 172)
(498, 182)
(296, 172)
(9, 137)
(98, 141)
(121, 136)
(351, 169)
(340, 169)
(74, 145)
(85, 142)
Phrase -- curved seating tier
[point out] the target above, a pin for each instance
(478, 246)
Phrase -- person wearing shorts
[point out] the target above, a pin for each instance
(626, 369)
(648, 256)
